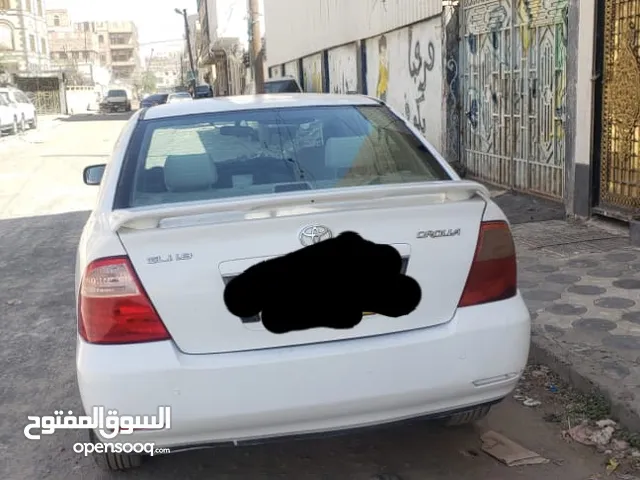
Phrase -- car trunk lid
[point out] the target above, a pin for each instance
(185, 254)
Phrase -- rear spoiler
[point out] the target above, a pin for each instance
(432, 192)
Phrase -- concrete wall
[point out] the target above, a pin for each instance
(404, 68)
(312, 73)
(81, 100)
(320, 24)
(343, 69)
(580, 97)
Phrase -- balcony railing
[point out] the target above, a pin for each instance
(123, 62)
(121, 46)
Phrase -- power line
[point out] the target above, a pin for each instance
(161, 41)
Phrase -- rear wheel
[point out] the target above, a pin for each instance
(14, 126)
(467, 416)
(34, 122)
(23, 124)
(114, 462)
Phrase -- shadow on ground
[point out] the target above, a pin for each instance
(520, 208)
(97, 117)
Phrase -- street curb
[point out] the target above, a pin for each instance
(586, 376)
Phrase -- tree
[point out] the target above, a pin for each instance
(149, 82)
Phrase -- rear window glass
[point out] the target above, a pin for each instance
(157, 97)
(268, 151)
(117, 93)
(281, 86)
(202, 89)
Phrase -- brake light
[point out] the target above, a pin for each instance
(493, 275)
(113, 307)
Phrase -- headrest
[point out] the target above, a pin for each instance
(189, 173)
(342, 152)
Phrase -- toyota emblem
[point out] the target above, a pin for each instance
(314, 234)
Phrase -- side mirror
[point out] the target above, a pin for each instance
(92, 175)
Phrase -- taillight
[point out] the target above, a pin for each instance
(113, 306)
(493, 274)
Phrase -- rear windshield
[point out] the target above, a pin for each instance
(202, 89)
(180, 95)
(281, 86)
(157, 97)
(267, 151)
(117, 93)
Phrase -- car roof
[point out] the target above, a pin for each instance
(252, 102)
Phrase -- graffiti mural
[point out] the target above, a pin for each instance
(383, 69)
(312, 73)
(419, 66)
(343, 69)
(404, 69)
(513, 79)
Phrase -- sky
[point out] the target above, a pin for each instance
(159, 26)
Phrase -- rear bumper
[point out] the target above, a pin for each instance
(476, 358)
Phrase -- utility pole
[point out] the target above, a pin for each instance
(86, 50)
(188, 35)
(256, 45)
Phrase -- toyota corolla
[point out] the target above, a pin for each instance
(197, 192)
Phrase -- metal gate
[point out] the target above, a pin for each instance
(620, 144)
(513, 69)
(44, 92)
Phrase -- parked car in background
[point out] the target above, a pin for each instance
(282, 85)
(153, 100)
(8, 117)
(276, 85)
(190, 200)
(26, 111)
(203, 91)
(116, 101)
(179, 97)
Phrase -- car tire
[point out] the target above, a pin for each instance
(467, 416)
(23, 124)
(115, 462)
(14, 126)
(34, 122)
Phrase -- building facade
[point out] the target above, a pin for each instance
(208, 20)
(73, 48)
(119, 49)
(167, 69)
(23, 36)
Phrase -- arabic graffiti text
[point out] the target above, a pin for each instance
(420, 63)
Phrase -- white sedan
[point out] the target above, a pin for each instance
(198, 192)
(179, 97)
